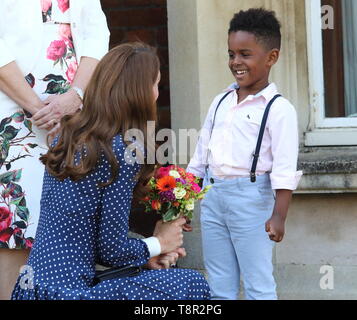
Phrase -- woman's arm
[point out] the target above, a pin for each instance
(14, 85)
(68, 103)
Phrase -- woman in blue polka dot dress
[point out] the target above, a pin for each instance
(88, 186)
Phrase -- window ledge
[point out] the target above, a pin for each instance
(328, 170)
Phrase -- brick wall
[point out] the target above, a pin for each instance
(144, 20)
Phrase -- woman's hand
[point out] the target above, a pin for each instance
(170, 234)
(165, 261)
(57, 106)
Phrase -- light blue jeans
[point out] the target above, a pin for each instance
(234, 240)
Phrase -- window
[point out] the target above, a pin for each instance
(332, 50)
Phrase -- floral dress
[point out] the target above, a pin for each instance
(21, 172)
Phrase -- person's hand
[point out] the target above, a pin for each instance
(187, 227)
(275, 227)
(163, 261)
(53, 132)
(170, 234)
(56, 107)
(167, 260)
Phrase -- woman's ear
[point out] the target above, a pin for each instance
(273, 57)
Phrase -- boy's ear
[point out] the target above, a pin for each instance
(273, 57)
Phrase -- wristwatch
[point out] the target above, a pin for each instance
(79, 92)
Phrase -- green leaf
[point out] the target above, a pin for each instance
(18, 201)
(22, 212)
(30, 80)
(53, 88)
(170, 215)
(4, 122)
(5, 147)
(11, 176)
(20, 224)
(32, 145)
(10, 133)
(4, 245)
(18, 117)
(54, 78)
(28, 125)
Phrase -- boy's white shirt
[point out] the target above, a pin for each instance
(235, 135)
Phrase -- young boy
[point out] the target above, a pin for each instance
(242, 217)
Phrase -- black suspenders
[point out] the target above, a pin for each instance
(253, 177)
(256, 154)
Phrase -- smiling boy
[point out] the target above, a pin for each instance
(244, 214)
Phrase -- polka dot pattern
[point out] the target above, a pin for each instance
(81, 225)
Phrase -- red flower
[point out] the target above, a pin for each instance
(5, 218)
(156, 205)
(162, 172)
(56, 50)
(63, 5)
(6, 234)
(166, 184)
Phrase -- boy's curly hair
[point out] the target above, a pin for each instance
(262, 23)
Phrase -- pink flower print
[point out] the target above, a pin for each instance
(65, 32)
(56, 50)
(71, 71)
(63, 5)
(5, 218)
(46, 5)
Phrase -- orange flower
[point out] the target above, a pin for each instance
(176, 204)
(156, 205)
(166, 183)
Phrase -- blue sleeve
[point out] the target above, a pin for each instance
(114, 246)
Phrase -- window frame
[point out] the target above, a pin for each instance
(323, 131)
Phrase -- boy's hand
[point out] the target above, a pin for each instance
(275, 227)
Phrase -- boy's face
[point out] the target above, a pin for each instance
(249, 60)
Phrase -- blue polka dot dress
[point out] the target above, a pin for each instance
(81, 225)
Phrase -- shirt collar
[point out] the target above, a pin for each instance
(267, 93)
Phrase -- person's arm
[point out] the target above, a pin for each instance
(14, 85)
(283, 129)
(115, 248)
(69, 102)
(275, 226)
(94, 46)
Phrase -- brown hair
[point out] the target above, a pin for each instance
(119, 97)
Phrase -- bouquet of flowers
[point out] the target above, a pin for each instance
(173, 192)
